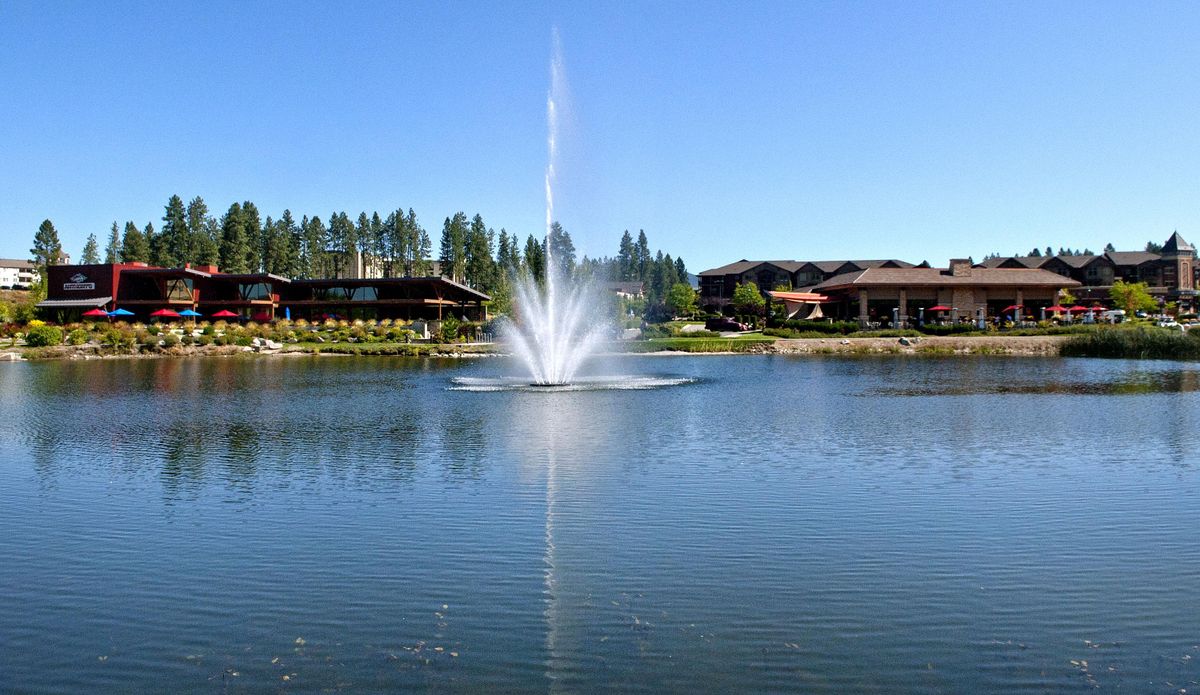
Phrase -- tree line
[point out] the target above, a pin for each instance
(394, 244)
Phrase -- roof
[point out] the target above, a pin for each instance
(244, 277)
(376, 282)
(1176, 244)
(798, 296)
(1021, 261)
(940, 277)
(625, 286)
(170, 272)
(1132, 257)
(16, 263)
(73, 303)
(739, 267)
(1079, 261)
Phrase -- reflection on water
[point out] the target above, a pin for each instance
(748, 523)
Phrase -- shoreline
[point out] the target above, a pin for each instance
(939, 346)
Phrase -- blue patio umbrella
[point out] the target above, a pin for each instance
(120, 312)
(189, 312)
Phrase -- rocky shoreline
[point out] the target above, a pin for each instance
(1040, 346)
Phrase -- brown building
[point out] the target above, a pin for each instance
(875, 295)
(142, 289)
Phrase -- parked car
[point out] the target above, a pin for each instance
(724, 324)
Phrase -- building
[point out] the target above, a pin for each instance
(717, 284)
(17, 274)
(627, 289)
(1170, 275)
(960, 291)
(143, 289)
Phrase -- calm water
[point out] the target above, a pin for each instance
(873, 525)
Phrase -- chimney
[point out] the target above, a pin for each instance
(960, 267)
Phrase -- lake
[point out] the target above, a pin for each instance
(756, 524)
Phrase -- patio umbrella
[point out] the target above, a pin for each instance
(164, 314)
(190, 313)
(939, 307)
(1056, 308)
(224, 314)
(120, 312)
(1078, 309)
(95, 313)
(261, 316)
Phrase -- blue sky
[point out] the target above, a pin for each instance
(725, 130)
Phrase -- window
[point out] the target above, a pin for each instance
(254, 290)
(365, 294)
(180, 289)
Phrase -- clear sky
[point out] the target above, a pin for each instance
(725, 130)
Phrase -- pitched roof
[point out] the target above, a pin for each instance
(1176, 244)
(1021, 261)
(743, 265)
(940, 277)
(1132, 257)
(1079, 261)
(15, 263)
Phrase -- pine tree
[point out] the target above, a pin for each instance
(205, 247)
(112, 252)
(681, 272)
(91, 251)
(642, 259)
(562, 250)
(480, 268)
(377, 248)
(312, 248)
(47, 249)
(252, 228)
(289, 244)
(234, 249)
(627, 258)
(134, 248)
(175, 247)
(423, 250)
(160, 255)
(535, 259)
(452, 252)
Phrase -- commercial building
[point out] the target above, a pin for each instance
(143, 289)
(17, 274)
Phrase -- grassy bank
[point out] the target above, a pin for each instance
(397, 349)
(1144, 343)
(697, 345)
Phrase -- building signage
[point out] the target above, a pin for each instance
(79, 282)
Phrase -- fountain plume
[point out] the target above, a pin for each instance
(555, 329)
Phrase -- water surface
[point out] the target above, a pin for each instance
(748, 523)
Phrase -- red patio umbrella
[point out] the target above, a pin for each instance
(1056, 307)
(1013, 307)
(165, 314)
(95, 314)
(1077, 308)
(224, 314)
(261, 316)
(939, 307)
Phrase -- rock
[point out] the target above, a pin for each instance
(320, 339)
(905, 341)
(257, 342)
(272, 345)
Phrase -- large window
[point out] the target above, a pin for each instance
(365, 294)
(254, 290)
(179, 289)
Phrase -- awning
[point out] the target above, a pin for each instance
(73, 303)
(798, 296)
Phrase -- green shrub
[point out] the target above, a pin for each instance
(41, 336)
(77, 337)
(170, 340)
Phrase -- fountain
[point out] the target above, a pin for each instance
(555, 330)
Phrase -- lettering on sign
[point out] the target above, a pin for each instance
(79, 285)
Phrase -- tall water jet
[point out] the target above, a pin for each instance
(555, 329)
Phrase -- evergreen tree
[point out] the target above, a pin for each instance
(480, 268)
(378, 246)
(535, 258)
(642, 259)
(152, 238)
(681, 273)
(340, 242)
(91, 251)
(423, 249)
(272, 251)
(1109, 248)
(234, 248)
(160, 255)
(289, 244)
(562, 250)
(112, 252)
(313, 261)
(1049, 252)
(252, 229)
(452, 253)
(363, 241)
(175, 247)
(627, 258)
(133, 245)
(47, 249)
(1036, 253)
(1153, 247)
(205, 247)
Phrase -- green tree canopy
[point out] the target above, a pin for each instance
(47, 249)
(681, 299)
(112, 251)
(1132, 296)
(134, 248)
(747, 299)
(91, 251)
